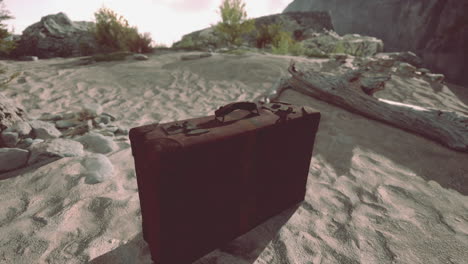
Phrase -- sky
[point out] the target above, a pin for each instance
(166, 20)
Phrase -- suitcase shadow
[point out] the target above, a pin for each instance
(248, 247)
(243, 250)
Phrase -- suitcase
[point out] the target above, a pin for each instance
(203, 182)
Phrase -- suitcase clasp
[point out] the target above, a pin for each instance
(186, 127)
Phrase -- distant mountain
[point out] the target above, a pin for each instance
(437, 30)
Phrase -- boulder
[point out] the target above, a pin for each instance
(301, 24)
(54, 148)
(407, 56)
(90, 111)
(355, 45)
(140, 57)
(12, 158)
(9, 139)
(44, 130)
(57, 36)
(10, 112)
(22, 128)
(98, 168)
(97, 143)
(435, 30)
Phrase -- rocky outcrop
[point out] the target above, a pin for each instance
(352, 44)
(57, 36)
(436, 30)
(301, 24)
(10, 112)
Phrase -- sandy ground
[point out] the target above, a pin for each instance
(376, 194)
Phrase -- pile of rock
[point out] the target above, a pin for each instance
(353, 44)
(63, 135)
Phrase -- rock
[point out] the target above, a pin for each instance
(435, 77)
(98, 168)
(10, 112)
(21, 80)
(25, 143)
(12, 158)
(105, 119)
(373, 84)
(54, 148)
(435, 30)
(62, 124)
(28, 58)
(57, 36)
(90, 111)
(424, 71)
(50, 117)
(195, 56)
(10, 139)
(79, 130)
(121, 131)
(355, 45)
(44, 130)
(405, 68)
(97, 143)
(23, 128)
(140, 57)
(302, 24)
(408, 57)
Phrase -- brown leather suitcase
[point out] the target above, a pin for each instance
(203, 182)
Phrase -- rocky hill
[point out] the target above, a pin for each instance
(437, 30)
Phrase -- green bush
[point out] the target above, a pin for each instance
(7, 44)
(113, 33)
(266, 34)
(234, 22)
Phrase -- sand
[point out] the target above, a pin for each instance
(375, 194)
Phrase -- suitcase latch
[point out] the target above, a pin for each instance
(186, 128)
(280, 109)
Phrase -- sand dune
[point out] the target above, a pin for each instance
(376, 194)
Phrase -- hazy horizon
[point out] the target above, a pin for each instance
(152, 16)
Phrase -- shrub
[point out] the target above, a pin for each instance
(282, 43)
(113, 33)
(234, 22)
(266, 34)
(7, 43)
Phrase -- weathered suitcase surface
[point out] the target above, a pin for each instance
(205, 181)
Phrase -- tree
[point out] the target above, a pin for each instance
(7, 43)
(234, 21)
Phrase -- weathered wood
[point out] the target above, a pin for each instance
(447, 128)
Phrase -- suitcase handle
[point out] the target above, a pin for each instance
(225, 110)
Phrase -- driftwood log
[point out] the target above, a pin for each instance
(447, 128)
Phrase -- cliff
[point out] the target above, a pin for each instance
(436, 30)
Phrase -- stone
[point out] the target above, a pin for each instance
(436, 30)
(44, 130)
(54, 148)
(355, 45)
(139, 56)
(121, 131)
(50, 117)
(63, 124)
(195, 56)
(10, 112)
(97, 143)
(424, 71)
(90, 110)
(433, 77)
(105, 119)
(407, 56)
(98, 168)
(25, 143)
(28, 58)
(405, 68)
(12, 158)
(57, 36)
(23, 128)
(21, 80)
(10, 139)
